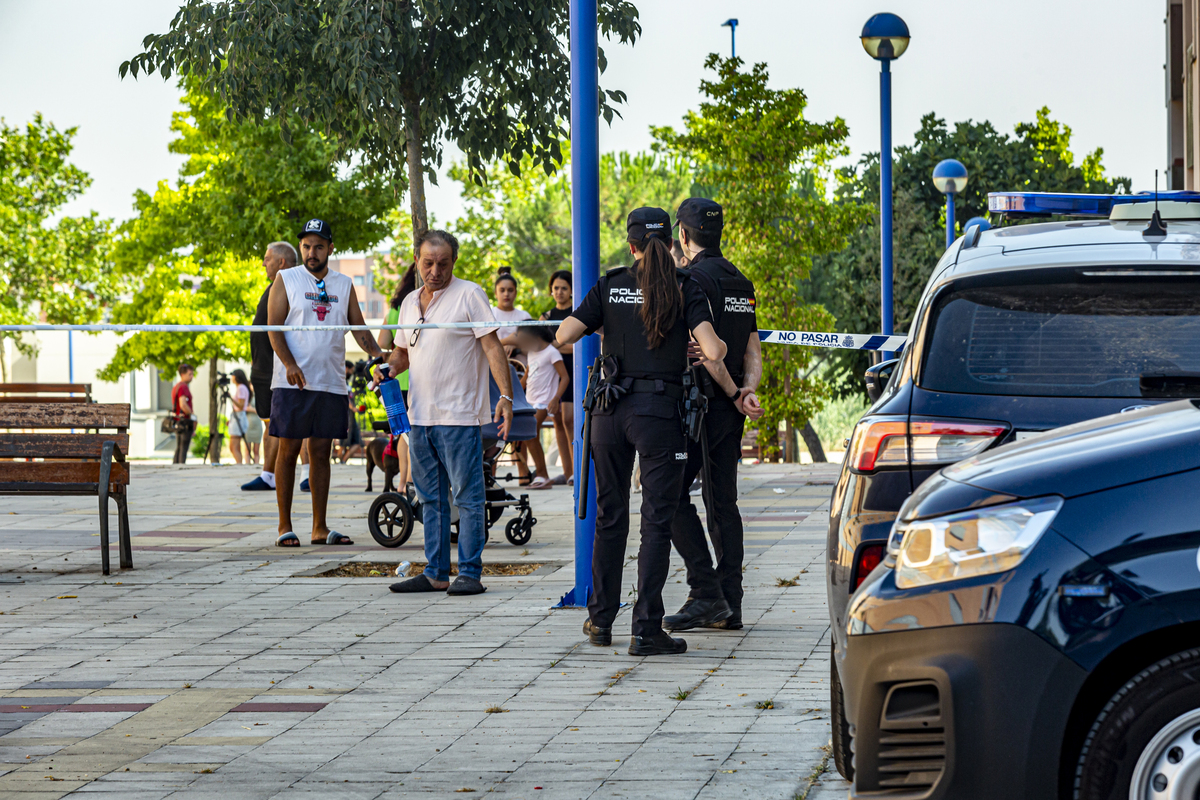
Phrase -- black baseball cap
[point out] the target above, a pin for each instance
(647, 221)
(318, 226)
(701, 214)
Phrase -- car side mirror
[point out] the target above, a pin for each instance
(876, 377)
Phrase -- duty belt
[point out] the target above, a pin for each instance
(671, 390)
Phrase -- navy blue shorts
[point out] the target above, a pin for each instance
(304, 414)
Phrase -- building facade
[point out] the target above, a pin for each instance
(1182, 74)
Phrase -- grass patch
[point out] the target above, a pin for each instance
(765, 704)
(383, 569)
(817, 771)
(495, 710)
(787, 581)
(680, 694)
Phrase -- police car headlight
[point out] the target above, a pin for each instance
(969, 543)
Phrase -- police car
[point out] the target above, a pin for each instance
(989, 670)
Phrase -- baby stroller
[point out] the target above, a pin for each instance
(390, 519)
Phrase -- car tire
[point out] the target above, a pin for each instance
(843, 756)
(1148, 734)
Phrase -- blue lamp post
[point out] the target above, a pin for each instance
(885, 37)
(732, 25)
(585, 252)
(950, 178)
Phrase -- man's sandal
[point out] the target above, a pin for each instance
(288, 539)
(334, 537)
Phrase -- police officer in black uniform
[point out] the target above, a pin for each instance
(732, 397)
(646, 312)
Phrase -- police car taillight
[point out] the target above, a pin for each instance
(879, 443)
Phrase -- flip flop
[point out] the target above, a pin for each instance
(334, 537)
(417, 584)
(541, 483)
(288, 539)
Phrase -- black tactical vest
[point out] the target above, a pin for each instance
(731, 297)
(625, 335)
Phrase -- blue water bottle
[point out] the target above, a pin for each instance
(393, 402)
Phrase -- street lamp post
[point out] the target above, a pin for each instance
(885, 38)
(732, 25)
(950, 177)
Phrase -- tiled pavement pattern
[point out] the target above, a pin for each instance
(213, 670)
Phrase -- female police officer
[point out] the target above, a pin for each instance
(646, 312)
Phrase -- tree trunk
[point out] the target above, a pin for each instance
(813, 443)
(789, 441)
(3, 360)
(214, 424)
(416, 178)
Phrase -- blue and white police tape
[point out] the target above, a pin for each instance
(847, 341)
(844, 341)
(151, 328)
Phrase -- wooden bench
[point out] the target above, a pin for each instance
(75, 463)
(45, 393)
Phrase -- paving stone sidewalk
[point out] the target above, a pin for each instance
(217, 669)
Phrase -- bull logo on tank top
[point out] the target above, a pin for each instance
(319, 308)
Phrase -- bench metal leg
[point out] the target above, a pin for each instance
(104, 527)
(125, 546)
(106, 452)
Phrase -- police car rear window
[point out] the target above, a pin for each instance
(1077, 338)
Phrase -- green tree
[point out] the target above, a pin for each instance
(192, 253)
(752, 150)
(1036, 158)
(57, 271)
(392, 80)
(523, 221)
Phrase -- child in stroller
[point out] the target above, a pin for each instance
(391, 516)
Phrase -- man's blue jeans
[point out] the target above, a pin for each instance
(448, 458)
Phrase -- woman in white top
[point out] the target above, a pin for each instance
(238, 424)
(506, 295)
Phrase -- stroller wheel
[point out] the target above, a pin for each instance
(390, 519)
(518, 531)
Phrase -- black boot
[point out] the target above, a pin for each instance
(601, 637)
(658, 644)
(731, 623)
(698, 614)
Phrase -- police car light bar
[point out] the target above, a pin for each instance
(1063, 204)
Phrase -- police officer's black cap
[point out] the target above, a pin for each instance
(318, 226)
(648, 221)
(701, 214)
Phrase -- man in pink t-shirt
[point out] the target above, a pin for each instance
(447, 404)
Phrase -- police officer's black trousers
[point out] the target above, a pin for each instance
(723, 426)
(648, 426)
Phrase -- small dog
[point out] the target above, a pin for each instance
(389, 464)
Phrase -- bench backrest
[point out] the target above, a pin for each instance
(42, 430)
(45, 392)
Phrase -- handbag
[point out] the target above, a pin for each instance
(172, 424)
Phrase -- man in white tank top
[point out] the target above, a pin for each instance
(308, 388)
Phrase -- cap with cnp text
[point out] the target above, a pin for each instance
(700, 214)
(648, 221)
(318, 226)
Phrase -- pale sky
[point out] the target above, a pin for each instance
(1098, 65)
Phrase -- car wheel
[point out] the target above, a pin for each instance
(843, 757)
(1146, 742)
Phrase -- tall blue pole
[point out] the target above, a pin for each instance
(585, 253)
(885, 197)
(733, 40)
(949, 219)
(70, 358)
